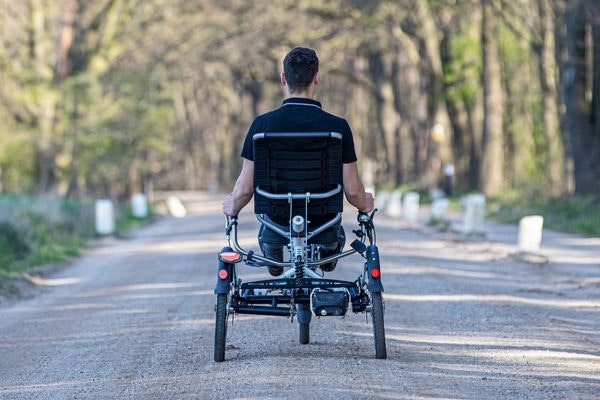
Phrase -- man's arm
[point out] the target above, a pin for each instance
(242, 191)
(354, 189)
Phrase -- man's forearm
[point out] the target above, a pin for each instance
(357, 197)
(355, 190)
(242, 191)
(240, 199)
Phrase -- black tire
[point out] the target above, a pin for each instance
(304, 333)
(220, 327)
(378, 325)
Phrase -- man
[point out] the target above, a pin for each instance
(298, 113)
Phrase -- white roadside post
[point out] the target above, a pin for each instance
(394, 205)
(139, 205)
(176, 207)
(439, 209)
(410, 206)
(474, 214)
(381, 200)
(530, 233)
(105, 217)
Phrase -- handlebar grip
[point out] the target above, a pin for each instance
(363, 217)
(229, 221)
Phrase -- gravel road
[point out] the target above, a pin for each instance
(465, 319)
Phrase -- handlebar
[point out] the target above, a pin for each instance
(365, 221)
(364, 217)
(229, 222)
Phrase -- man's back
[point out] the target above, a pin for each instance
(301, 115)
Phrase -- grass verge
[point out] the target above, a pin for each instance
(576, 214)
(39, 230)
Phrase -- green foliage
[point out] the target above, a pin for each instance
(16, 161)
(13, 246)
(164, 90)
(127, 221)
(462, 72)
(524, 109)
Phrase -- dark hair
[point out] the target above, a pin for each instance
(300, 67)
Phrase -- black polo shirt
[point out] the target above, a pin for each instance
(300, 115)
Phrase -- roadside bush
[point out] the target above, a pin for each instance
(36, 230)
(43, 229)
(12, 245)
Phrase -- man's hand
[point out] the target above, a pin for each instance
(369, 203)
(228, 205)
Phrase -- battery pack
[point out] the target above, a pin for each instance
(325, 302)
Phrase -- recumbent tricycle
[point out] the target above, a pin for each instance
(298, 177)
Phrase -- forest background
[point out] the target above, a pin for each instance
(106, 98)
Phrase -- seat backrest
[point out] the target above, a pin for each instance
(298, 162)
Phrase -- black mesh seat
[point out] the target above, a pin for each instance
(299, 163)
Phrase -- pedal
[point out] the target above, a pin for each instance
(325, 302)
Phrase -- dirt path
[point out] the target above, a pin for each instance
(133, 319)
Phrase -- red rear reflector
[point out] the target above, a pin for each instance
(375, 273)
(230, 257)
(223, 274)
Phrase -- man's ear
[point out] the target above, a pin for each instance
(316, 78)
(283, 81)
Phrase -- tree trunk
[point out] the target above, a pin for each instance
(382, 94)
(63, 63)
(594, 8)
(492, 168)
(577, 119)
(548, 80)
(397, 170)
(461, 138)
(440, 151)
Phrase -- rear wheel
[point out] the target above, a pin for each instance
(220, 327)
(304, 333)
(378, 325)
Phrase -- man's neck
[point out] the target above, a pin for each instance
(298, 96)
(303, 94)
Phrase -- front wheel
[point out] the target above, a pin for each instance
(378, 325)
(220, 327)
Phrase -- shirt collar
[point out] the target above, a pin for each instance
(301, 101)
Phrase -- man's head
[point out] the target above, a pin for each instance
(300, 68)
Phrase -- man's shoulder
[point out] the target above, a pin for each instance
(266, 116)
(336, 122)
(335, 117)
(262, 116)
